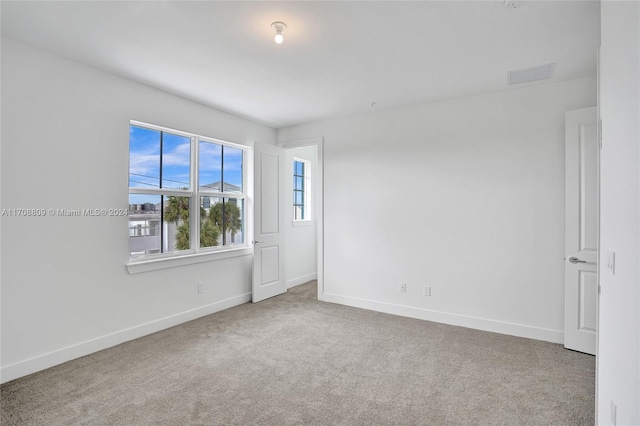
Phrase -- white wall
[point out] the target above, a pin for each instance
(619, 338)
(300, 237)
(465, 195)
(65, 136)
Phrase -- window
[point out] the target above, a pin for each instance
(178, 182)
(301, 173)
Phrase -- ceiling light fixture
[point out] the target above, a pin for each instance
(279, 27)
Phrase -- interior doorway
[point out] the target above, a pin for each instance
(303, 212)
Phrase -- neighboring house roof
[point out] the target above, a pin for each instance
(228, 187)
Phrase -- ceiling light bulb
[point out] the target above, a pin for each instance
(279, 27)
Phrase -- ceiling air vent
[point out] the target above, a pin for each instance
(542, 72)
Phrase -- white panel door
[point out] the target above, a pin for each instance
(581, 239)
(268, 255)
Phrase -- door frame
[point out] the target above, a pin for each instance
(599, 141)
(318, 201)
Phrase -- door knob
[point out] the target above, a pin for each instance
(575, 260)
(255, 241)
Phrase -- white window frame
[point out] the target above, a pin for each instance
(306, 194)
(195, 254)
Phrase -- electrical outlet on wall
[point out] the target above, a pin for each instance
(426, 290)
(403, 287)
(200, 287)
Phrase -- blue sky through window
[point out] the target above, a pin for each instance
(176, 161)
(232, 169)
(210, 163)
(144, 158)
(145, 163)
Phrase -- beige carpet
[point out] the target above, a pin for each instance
(293, 360)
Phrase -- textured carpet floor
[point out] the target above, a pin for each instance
(293, 360)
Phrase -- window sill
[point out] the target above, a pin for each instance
(189, 259)
(302, 222)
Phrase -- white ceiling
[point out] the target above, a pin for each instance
(337, 57)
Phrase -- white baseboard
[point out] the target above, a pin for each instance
(512, 329)
(42, 362)
(301, 280)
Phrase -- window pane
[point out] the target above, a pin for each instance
(144, 225)
(144, 157)
(300, 190)
(147, 235)
(210, 167)
(222, 221)
(210, 224)
(232, 170)
(176, 161)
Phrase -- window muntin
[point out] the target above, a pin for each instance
(301, 190)
(164, 168)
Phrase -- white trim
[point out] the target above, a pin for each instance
(248, 187)
(136, 190)
(216, 194)
(512, 329)
(194, 205)
(306, 222)
(160, 128)
(598, 224)
(41, 362)
(302, 280)
(223, 142)
(188, 259)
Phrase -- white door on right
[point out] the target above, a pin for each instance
(581, 235)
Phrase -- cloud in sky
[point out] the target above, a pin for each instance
(144, 160)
